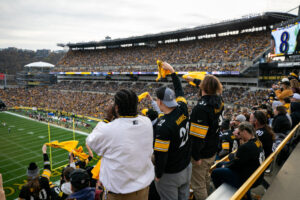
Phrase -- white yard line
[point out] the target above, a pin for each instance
(32, 140)
(55, 136)
(76, 131)
(19, 146)
(37, 155)
(25, 167)
(31, 157)
(5, 181)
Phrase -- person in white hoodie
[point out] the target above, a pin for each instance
(126, 146)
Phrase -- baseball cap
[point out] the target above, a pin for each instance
(167, 96)
(296, 96)
(80, 179)
(32, 170)
(240, 118)
(285, 81)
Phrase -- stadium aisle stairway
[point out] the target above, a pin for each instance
(286, 183)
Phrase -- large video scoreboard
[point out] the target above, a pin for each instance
(286, 40)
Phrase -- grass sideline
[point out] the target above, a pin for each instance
(23, 144)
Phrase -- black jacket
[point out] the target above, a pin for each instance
(295, 113)
(248, 158)
(281, 124)
(266, 140)
(205, 126)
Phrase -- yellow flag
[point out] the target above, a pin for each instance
(195, 75)
(142, 96)
(80, 154)
(96, 170)
(67, 145)
(161, 71)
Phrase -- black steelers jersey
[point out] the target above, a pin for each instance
(172, 142)
(226, 140)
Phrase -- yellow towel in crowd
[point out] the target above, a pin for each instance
(70, 146)
(80, 153)
(96, 170)
(143, 95)
(67, 145)
(195, 75)
(161, 71)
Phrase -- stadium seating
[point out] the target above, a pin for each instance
(213, 53)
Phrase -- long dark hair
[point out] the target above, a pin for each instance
(211, 85)
(33, 185)
(263, 120)
(127, 102)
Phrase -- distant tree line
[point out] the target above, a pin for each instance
(12, 60)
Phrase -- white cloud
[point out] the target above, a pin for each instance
(38, 24)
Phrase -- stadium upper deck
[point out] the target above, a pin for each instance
(244, 39)
(248, 22)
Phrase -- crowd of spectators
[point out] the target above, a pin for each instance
(233, 94)
(90, 98)
(253, 98)
(236, 66)
(90, 104)
(227, 49)
(274, 112)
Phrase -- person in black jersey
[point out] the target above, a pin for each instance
(38, 187)
(172, 143)
(204, 133)
(248, 158)
(264, 132)
(226, 139)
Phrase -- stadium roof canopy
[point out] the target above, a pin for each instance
(259, 20)
(40, 65)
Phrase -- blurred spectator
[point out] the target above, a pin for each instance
(295, 86)
(247, 159)
(281, 123)
(66, 186)
(80, 182)
(37, 186)
(284, 91)
(295, 113)
(264, 132)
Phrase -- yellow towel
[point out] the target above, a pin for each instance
(195, 75)
(67, 145)
(161, 71)
(142, 96)
(144, 111)
(96, 170)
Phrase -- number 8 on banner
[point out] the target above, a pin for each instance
(284, 45)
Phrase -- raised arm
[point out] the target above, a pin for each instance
(176, 81)
(2, 193)
(47, 170)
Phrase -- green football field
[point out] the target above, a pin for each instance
(21, 142)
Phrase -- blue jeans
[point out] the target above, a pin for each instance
(225, 175)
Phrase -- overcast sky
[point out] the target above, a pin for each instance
(38, 24)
